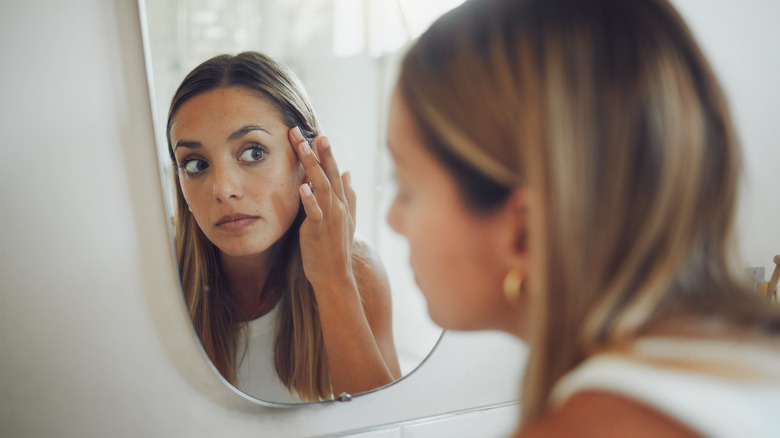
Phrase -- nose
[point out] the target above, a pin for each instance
(394, 217)
(226, 183)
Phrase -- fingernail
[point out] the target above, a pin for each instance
(348, 177)
(296, 132)
(304, 148)
(324, 143)
(306, 190)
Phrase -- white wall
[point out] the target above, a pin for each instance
(742, 41)
(94, 339)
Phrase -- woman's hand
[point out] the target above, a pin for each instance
(356, 318)
(327, 232)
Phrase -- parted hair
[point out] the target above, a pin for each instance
(608, 111)
(299, 351)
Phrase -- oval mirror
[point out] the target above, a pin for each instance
(345, 52)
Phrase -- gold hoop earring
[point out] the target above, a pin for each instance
(513, 282)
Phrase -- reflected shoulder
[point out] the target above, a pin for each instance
(374, 288)
(369, 271)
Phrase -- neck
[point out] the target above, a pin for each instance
(247, 277)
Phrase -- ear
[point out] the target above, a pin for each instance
(515, 223)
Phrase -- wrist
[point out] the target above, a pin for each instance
(335, 283)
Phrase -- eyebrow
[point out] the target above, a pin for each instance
(234, 136)
(187, 144)
(245, 130)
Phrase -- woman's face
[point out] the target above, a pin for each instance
(237, 169)
(459, 257)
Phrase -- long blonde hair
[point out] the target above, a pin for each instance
(609, 112)
(299, 351)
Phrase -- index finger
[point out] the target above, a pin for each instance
(314, 170)
(328, 163)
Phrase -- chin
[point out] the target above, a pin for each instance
(445, 320)
(242, 250)
(449, 320)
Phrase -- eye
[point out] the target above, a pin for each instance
(193, 166)
(401, 192)
(252, 154)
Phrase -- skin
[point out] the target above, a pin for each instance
(459, 257)
(237, 157)
(601, 414)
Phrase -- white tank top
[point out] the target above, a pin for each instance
(716, 388)
(256, 370)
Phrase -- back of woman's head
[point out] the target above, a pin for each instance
(254, 71)
(608, 112)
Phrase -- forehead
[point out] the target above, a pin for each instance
(397, 121)
(403, 134)
(225, 107)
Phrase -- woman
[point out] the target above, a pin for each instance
(264, 236)
(568, 173)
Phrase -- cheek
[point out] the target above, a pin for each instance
(193, 197)
(438, 253)
(292, 183)
(279, 197)
(298, 174)
(455, 269)
(433, 246)
(291, 197)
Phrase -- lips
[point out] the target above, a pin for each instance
(235, 222)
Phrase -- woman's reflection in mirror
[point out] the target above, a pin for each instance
(287, 303)
(568, 173)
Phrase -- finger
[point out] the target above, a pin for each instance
(296, 139)
(310, 205)
(328, 162)
(349, 194)
(316, 174)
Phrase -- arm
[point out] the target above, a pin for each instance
(374, 288)
(355, 358)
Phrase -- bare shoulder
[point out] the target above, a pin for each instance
(602, 414)
(374, 288)
(369, 271)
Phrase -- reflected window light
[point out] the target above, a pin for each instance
(349, 36)
(377, 27)
(204, 16)
(418, 15)
(241, 37)
(213, 33)
(388, 28)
